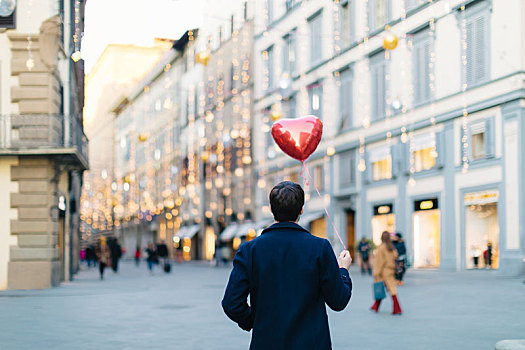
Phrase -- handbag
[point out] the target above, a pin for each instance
(379, 290)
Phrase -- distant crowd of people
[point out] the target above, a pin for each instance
(107, 252)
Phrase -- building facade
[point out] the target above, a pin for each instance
(422, 104)
(109, 79)
(43, 150)
(183, 151)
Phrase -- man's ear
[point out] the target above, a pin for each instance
(302, 209)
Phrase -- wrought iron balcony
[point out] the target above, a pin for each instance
(45, 135)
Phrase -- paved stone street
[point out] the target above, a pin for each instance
(133, 310)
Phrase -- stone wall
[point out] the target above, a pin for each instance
(34, 262)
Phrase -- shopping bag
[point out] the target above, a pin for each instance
(167, 267)
(379, 291)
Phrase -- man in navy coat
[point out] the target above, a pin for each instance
(289, 275)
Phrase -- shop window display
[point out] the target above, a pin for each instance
(383, 220)
(482, 236)
(318, 227)
(426, 234)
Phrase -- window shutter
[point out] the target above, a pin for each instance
(469, 139)
(480, 51)
(416, 73)
(440, 149)
(395, 160)
(374, 92)
(470, 66)
(286, 50)
(369, 171)
(405, 158)
(425, 59)
(489, 138)
(371, 15)
(410, 4)
(382, 90)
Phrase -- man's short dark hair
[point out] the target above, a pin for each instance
(286, 201)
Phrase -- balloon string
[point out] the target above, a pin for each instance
(305, 168)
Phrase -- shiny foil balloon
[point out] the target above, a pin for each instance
(299, 137)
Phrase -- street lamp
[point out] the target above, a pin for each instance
(7, 7)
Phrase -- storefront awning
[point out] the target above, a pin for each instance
(229, 232)
(261, 225)
(188, 231)
(245, 228)
(306, 219)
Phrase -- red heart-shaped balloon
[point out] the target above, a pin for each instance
(299, 137)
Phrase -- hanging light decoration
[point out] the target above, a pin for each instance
(76, 56)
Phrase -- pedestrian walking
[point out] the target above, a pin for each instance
(384, 271)
(116, 253)
(152, 257)
(91, 257)
(364, 251)
(137, 256)
(401, 260)
(162, 251)
(290, 276)
(103, 255)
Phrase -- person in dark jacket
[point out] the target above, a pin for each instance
(153, 257)
(116, 253)
(290, 276)
(364, 250)
(401, 260)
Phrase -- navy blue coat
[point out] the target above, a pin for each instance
(289, 275)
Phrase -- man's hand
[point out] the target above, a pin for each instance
(344, 260)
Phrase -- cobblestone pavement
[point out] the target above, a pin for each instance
(136, 310)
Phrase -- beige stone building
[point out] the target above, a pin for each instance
(43, 149)
(110, 78)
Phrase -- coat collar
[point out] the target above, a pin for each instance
(284, 226)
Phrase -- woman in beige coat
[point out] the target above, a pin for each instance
(103, 255)
(384, 270)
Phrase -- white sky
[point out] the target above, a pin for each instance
(135, 22)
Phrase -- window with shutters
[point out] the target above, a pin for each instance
(270, 144)
(421, 67)
(318, 176)
(481, 140)
(289, 53)
(381, 163)
(315, 98)
(269, 12)
(346, 100)
(378, 13)
(267, 56)
(347, 169)
(412, 4)
(289, 107)
(346, 23)
(316, 35)
(289, 4)
(378, 71)
(424, 152)
(478, 44)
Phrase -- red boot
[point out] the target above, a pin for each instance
(375, 307)
(397, 307)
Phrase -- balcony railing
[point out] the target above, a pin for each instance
(43, 134)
